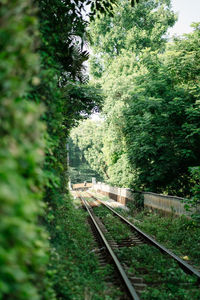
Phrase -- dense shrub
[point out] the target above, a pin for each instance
(23, 243)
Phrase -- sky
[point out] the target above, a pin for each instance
(188, 12)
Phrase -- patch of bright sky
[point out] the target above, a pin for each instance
(188, 12)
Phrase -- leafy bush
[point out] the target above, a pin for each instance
(193, 204)
(23, 246)
(34, 127)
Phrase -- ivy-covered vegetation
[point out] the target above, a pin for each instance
(23, 246)
(42, 97)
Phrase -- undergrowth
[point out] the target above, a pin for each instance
(164, 278)
(74, 267)
(116, 228)
(179, 234)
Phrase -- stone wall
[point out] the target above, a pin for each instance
(81, 186)
(167, 204)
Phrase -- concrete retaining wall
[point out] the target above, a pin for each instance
(121, 195)
(81, 186)
(167, 204)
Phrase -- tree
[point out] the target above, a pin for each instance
(88, 136)
(162, 119)
(119, 44)
(79, 168)
(64, 92)
(129, 31)
(151, 104)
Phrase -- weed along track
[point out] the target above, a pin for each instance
(106, 254)
(152, 270)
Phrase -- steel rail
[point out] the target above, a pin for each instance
(128, 284)
(189, 269)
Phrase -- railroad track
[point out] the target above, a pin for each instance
(107, 246)
(132, 284)
(144, 237)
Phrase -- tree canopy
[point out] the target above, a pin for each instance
(151, 89)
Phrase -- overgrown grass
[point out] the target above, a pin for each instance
(118, 230)
(179, 234)
(164, 278)
(74, 268)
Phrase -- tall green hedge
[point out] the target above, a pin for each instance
(40, 65)
(23, 243)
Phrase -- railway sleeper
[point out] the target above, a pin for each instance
(136, 279)
(140, 287)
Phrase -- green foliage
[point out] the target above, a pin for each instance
(119, 44)
(193, 204)
(138, 200)
(35, 116)
(79, 169)
(130, 29)
(119, 171)
(100, 7)
(88, 136)
(23, 243)
(61, 25)
(177, 234)
(67, 100)
(151, 106)
(74, 266)
(162, 120)
(82, 100)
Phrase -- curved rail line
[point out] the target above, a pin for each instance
(129, 287)
(185, 266)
